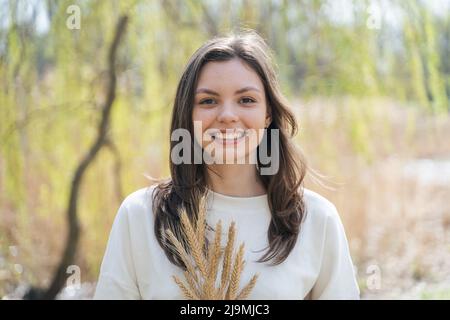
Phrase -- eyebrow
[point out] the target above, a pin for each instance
(245, 89)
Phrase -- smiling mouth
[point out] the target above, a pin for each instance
(229, 136)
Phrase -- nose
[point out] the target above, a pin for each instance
(227, 113)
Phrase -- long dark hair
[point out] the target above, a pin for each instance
(188, 183)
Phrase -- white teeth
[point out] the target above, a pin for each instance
(229, 136)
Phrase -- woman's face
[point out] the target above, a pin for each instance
(230, 104)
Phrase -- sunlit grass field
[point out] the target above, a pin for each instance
(385, 165)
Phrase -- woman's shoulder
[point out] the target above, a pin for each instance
(319, 208)
(138, 203)
(322, 220)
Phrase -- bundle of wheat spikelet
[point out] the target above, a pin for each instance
(202, 264)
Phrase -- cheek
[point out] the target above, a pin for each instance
(202, 115)
(202, 119)
(254, 119)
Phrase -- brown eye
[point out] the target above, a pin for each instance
(247, 100)
(207, 101)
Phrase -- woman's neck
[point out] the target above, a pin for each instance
(238, 180)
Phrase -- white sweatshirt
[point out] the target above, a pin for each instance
(319, 267)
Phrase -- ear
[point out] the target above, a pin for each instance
(268, 116)
(268, 120)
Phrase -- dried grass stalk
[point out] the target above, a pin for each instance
(248, 288)
(192, 237)
(202, 286)
(236, 274)
(187, 291)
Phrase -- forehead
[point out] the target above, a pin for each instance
(228, 74)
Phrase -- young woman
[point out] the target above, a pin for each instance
(228, 100)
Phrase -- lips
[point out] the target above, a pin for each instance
(228, 135)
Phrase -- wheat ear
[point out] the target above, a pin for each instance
(193, 283)
(196, 250)
(247, 289)
(182, 253)
(201, 222)
(227, 259)
(214, 255)
(187, 292)
(236, 274)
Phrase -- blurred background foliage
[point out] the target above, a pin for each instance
(369, 81)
